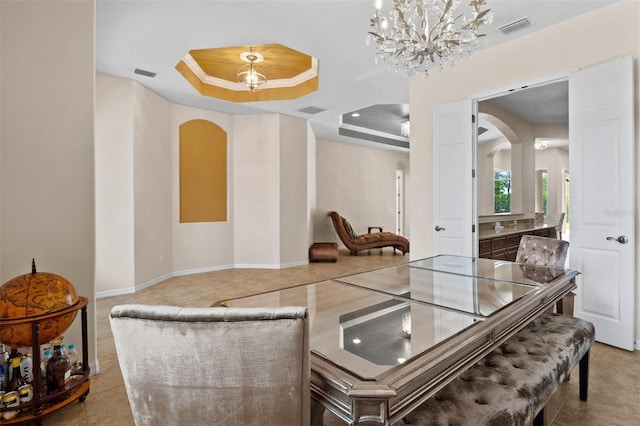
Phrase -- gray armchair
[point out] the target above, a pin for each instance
(214, 366)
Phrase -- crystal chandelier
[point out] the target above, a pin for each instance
(250, 74)
(418, 34)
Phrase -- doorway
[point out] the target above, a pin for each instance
(528, 130)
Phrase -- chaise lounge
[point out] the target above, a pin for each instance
(356, 243)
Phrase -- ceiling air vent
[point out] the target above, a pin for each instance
(517, 25)
(144, 73)
(311, 110)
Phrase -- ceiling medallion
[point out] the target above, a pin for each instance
(419, 34)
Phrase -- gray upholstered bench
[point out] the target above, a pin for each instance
(512, 384)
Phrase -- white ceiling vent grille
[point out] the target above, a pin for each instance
(517, 25)
(311, 110)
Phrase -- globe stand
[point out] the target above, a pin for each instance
(76, 388)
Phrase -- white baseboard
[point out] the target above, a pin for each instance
(129, 290)
(118, 292)
(201, 270)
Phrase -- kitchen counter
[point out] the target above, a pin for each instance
(511, 229)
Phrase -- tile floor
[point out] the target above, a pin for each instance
(614, 386)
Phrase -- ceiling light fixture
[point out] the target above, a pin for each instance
(418, 34)
(250, 74)
(540, 146)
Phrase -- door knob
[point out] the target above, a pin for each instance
(439, 228)
(621, 239)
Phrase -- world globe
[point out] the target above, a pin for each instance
(35, 297)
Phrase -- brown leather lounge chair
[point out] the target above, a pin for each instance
(356, 243)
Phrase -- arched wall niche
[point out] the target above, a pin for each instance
(203, 172)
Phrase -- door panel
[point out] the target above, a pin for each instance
(452, 180)
(601, 132)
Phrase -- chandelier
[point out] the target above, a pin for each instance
(250, 74)
(418, 34)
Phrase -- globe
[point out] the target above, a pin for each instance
(35, 297)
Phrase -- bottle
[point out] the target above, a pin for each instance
(72, 353)
(26, 367)
(16, 376)
(43, 365)
(58, 368)
(14, 354)
(4, 364)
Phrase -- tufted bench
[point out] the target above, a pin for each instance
(512, 384)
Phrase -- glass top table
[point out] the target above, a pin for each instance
(375, 335)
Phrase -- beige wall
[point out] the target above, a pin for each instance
(294, 203)
(115, 268)
(151, 196)
(256, 190)
(569, 45)
(46, 137)
(359, 183)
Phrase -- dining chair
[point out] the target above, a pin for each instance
(542, 251)
(547, 252)
(214, 366)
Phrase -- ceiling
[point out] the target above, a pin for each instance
(155, 35)
(543, 104)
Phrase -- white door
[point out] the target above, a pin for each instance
(452, 180)
(602, 198)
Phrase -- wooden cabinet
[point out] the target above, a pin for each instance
(506, 247)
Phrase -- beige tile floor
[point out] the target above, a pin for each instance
(614, 386)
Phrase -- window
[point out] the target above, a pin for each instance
(502, 191)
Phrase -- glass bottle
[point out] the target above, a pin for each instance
(16, 377)
(58, 368)
(72, 353)
(43, 365)
(27, 368)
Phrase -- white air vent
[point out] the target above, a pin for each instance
(311, 110)
(517, 25)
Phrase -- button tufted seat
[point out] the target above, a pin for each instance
(512, 384)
